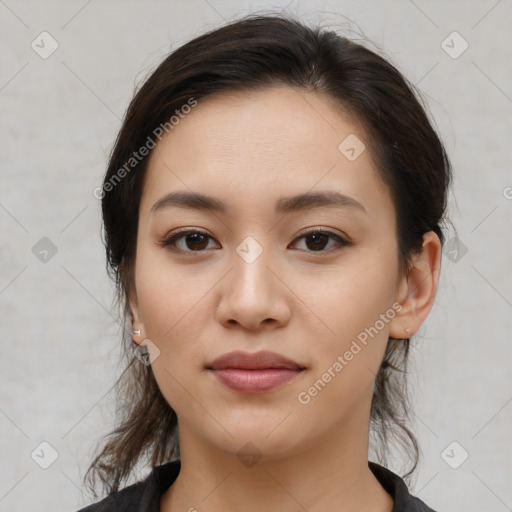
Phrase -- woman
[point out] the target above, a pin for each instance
(272, 213)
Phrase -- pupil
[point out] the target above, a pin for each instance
(317, 239)
(196, 240)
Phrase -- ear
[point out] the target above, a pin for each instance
(417, 290)
(136, 323)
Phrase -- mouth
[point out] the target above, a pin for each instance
(254, 373)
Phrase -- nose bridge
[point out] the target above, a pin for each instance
(251, 276)
(251, 293)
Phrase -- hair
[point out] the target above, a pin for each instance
(258, 52)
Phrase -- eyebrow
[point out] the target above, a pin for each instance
(305, 201)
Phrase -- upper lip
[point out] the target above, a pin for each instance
(253, 361)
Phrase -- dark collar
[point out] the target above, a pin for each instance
(392, 483)
(396, 488)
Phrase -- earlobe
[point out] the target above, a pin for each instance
(418, 289)
(137, 332)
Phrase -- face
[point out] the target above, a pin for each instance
(249, 276)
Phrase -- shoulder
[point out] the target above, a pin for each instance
(396, 487)
(142, 496)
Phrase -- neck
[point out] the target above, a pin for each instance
(329, 475)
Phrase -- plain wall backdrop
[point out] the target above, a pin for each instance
(60, 113)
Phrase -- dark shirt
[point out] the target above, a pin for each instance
(145, 496)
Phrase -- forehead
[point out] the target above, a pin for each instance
(249, 146)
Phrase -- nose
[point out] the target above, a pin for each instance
(253, 295)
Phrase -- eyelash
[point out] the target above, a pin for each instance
(170, 241)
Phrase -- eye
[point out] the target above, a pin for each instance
(196, 241)
(193, 240)
(315, 240)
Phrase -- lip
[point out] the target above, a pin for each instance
(254, 372)
(263, 360)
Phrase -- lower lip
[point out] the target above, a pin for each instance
(254, 381)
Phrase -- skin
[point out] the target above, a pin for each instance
(248, 150)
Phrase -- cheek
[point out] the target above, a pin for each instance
(173, 323)
(349, 298)
(169, 296)
(348, 358)
(173, 314)
(354, 309)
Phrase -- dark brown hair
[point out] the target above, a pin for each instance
(257, 52)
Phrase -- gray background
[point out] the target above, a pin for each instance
(59, 350)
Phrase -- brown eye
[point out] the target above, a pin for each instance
(197, 241)
(192, 241)
(316, 240)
